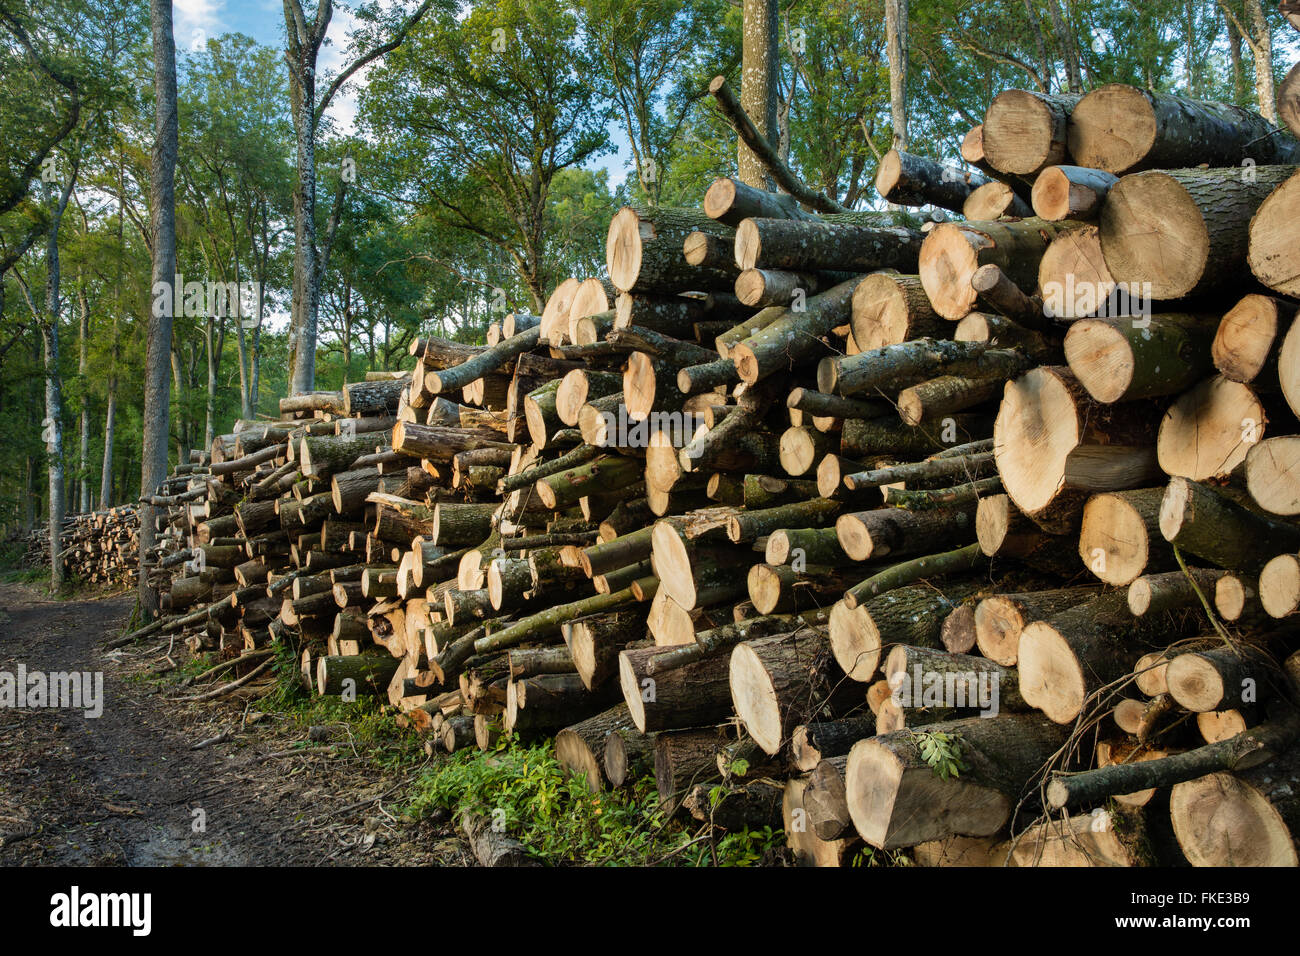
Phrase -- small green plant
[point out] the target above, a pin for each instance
(943, 752)
(869, 856)
(525, 791)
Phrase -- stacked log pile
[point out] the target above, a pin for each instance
(99, 547)
(906, 534)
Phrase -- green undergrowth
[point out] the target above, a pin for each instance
(525, 792)
(38, 576)
(362, 725)
(522, 788)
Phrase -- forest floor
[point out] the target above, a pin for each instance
(127, 788)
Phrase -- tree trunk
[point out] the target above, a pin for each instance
(1120, 360)
(580, 748)
(1054, 446)
(1025, 132)
(306, 280)
(910, 180)
(994, 201)
(815, 246)
(1273, 474)
(1185, 232)
(1067, 658)
(1069, 46)
(1119, 539)
(952, 252)
(1000, 619)
(83, 348)
(896, 799)
(643, 252)
(760, 76)
(912, 614)
(1206, 434)
(896, 28)
(1247, 341)
(1123, 129)
(1071, 192)
(779, 682)
(1202, 521)
(694, 695)
(162, 207)
(1261, 45)
(1272, 257)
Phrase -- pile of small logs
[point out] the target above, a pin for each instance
(906, 533)
(99, 547)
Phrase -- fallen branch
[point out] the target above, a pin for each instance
(763, 149)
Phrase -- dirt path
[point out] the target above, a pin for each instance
(126, 788)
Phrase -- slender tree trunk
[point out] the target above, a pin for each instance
(245, 409)
(1262, 46)
(306, 281)
(256, 376)
(760, 61)
(162, 213)
(896, 18)
(1044, 62)
(114, 361)
(83, 364)
(1069, 49)
(1234, 58)
(347, 330)
(53, 425)
(182, 404)
(210, 407)
(53, 421)
(110, 424)
(29, 494)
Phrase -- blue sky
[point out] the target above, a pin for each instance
(196, 21)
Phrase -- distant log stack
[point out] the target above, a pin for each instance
(99, 547)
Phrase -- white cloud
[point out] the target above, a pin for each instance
(194, 22)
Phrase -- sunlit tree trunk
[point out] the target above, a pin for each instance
(1261, 45)
(896, 41)
(760, 61)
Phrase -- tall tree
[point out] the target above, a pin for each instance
(760, 66)
(1259, 37)
(162, 215)
(53, 380)
(896, 19)
(1069, 45)
(308, 109)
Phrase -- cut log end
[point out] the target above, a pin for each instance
(1153, 232)
(1051, 678)
(1209, 430)
(1112, 128)
(1279, 586)
(1222, 821)
(755, 698)
(947, 264)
